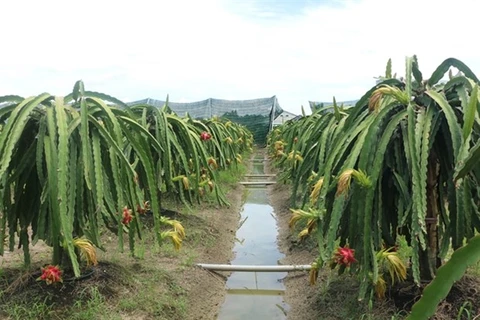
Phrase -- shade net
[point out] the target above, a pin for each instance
(316, 105)
(256, 114)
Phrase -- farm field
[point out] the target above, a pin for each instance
(106, 208)
(165, 284)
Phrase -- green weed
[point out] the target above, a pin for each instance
(90, 305)
(26, 311)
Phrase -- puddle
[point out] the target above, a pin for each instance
(255, 295)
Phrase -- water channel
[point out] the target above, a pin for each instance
(255, 295)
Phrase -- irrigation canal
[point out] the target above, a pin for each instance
(256, 295)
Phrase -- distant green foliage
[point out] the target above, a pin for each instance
(258, 125)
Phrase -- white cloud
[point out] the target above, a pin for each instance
(194, 50)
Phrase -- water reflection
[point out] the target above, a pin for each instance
(255, 295)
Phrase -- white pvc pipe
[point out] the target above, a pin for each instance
(250, 268)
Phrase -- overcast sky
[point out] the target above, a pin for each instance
(298, 50)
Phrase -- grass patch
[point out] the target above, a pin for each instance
(36, 309)
(91, 305)
(111, 292)
(233, 175)
(157, 294)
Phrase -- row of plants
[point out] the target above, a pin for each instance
(401, 164)
(75, 164)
